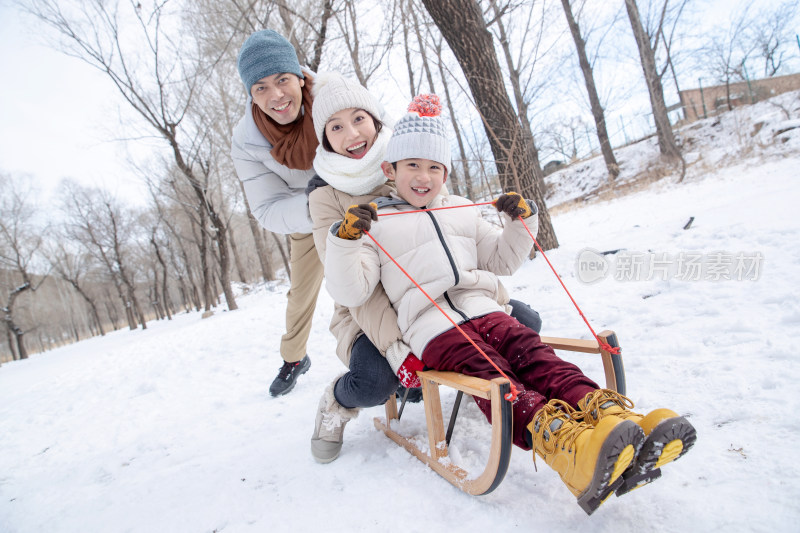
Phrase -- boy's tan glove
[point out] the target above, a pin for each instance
(514, 206)
(357, 220)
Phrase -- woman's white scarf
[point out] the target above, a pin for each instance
(354, 176)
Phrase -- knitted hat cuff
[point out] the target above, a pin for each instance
(417, 145)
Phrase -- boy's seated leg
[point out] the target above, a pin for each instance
(526, 315)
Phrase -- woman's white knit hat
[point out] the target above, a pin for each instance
(332, 92)
(421, 133)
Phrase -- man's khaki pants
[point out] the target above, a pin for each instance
(303, 291)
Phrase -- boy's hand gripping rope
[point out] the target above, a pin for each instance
(512, 394)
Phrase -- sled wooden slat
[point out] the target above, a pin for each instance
(437, 459)
(612, 363)
(573, 345)
(469, 384)
(500, 453)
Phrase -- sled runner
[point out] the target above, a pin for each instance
(437, 457)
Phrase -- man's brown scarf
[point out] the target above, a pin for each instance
(293, 144)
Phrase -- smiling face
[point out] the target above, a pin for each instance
(418, 181)
(279, 96)
(351, 132)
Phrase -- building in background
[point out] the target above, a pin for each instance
(708, 101)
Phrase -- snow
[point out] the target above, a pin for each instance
(172, 429)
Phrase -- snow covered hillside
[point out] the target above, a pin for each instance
(171, 429)
(765, 130)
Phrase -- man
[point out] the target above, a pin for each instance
(273, 150)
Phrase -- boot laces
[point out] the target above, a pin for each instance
(596, 400)
(565, 434)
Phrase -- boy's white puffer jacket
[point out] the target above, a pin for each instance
(454, 254)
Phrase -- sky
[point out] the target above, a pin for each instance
(172, 429)
(60, 118)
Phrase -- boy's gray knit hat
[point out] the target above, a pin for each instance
(264, 53)
(333, 92)
(421, 133)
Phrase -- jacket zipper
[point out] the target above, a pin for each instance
(452, 265)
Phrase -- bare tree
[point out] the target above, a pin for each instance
(522, 66)
(591, 89)
(74, 268)
(459, 136)
(462, 25)
(159, 242)
(563, 137)
(96, 221)
(772, 31)
(728, 49)
(366, 52)
(414, 21)
(664, 22)
(666, 139)
(159, 83)
(20, 242)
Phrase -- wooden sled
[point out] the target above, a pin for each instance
(500, 452)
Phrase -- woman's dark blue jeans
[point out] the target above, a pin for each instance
(371, 380)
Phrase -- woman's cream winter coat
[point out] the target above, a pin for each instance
(376, 316)
(454, 254)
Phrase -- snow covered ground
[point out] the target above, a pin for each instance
(171, 429)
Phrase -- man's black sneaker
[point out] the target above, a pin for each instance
(288, 376)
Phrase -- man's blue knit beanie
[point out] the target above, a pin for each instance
(263, 54)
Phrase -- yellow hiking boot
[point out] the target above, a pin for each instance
(668, 436)
(589, 459)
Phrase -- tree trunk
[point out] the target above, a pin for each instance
(163, 263)
(327, 11)
(237, 261)
(204, 263)
(15, 332)
(462, 25)
(283, 254)
(11, 345)
(111, 311)
(92, 307)
(591, 89)
(666, 139)
(267, 272)
(405, 22)
(514, 77)
(224, 261)
(459, 140)
(453, 178)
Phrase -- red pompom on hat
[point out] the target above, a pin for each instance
(425, 105)
(421, 133)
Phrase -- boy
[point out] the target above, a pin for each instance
(456, 256)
